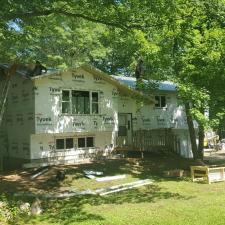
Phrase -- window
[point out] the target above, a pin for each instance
(81, 142)
(60, 144)
(86, 142)
(80, 102)
(69, 143)
(66, 102)
(64, 143)
(95, 102)
(90, 142)
(161, 101)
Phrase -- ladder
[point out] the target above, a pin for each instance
(5, 90)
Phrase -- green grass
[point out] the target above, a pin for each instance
(166, 202)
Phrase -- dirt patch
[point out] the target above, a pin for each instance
(20, 180)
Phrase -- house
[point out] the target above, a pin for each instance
(67, 117)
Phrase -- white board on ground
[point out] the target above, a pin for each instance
(90, 176)
(91, 172)
(101, 191)
(109, 178)
(39, 173)
(122, 187)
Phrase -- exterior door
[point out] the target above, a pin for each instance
(125, 129)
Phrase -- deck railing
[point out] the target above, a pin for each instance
(163, 140)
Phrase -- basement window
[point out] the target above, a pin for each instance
(90, 142)
(60, 144)
(64, 143)
(69, 143)
(81, 142)
(86, 142)
(160, 101)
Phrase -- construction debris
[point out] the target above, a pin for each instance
(92, 177)
(40, 172)
(91, 172)
(109, 178)
(101, 191)
(122, 187)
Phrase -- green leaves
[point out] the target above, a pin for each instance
(183, 41)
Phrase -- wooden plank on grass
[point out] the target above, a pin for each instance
(44, 170)
(122, 187)
(109, 178)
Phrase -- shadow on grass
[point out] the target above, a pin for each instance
(69, 211)
(72, 210)
(150, 167)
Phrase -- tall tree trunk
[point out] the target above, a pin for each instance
(201, 135)
(191, 131)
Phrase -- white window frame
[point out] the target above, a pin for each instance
(90, 102)
(70, 105)
(160, 102)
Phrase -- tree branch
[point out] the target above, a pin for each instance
(105, 21)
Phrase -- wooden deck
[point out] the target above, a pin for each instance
(158, 140)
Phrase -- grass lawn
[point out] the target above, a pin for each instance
(167, 201)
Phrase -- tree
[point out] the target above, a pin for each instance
(179, 40)
(198, 60)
